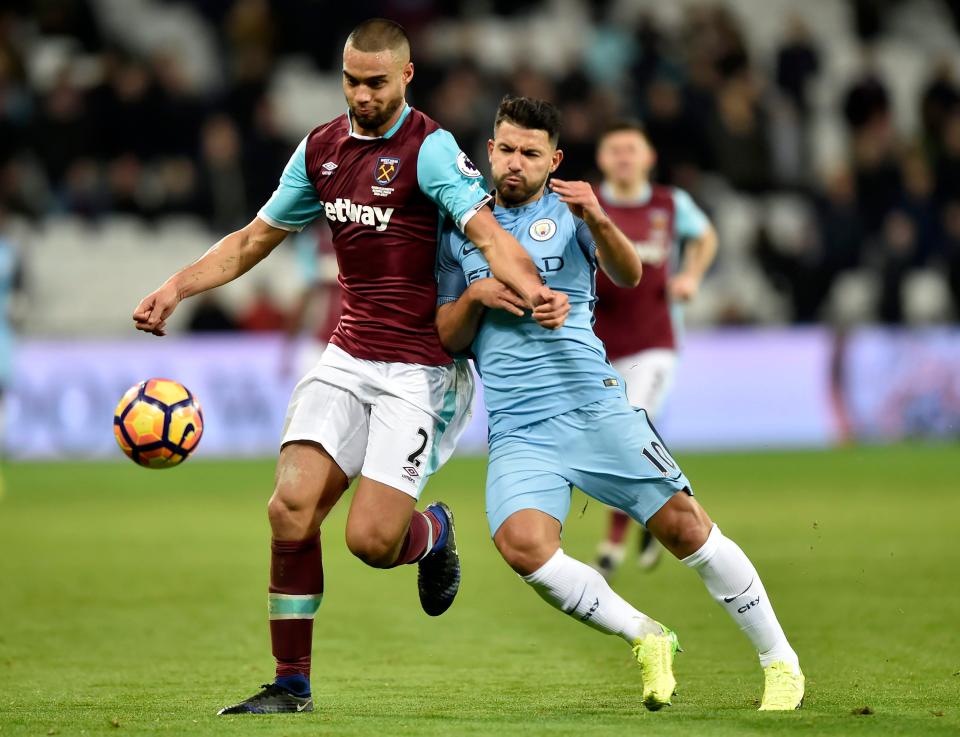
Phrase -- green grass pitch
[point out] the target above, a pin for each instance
(133, 601)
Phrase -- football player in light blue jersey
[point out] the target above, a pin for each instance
(559, 416)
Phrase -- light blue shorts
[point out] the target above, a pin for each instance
(608, 449)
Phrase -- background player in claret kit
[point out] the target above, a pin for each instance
(386, 402)
(559, 416)
(638, 327)
(317, 307)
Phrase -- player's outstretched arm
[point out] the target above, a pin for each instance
(615, 252)
(232, 256)
(458, 322)
(699, 254)
(508, 260)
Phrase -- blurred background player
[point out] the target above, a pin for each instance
(317, 308)
(640, 326)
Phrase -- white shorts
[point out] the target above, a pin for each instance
(395, 423)
(649, 377)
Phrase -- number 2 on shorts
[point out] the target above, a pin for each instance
(414, 457)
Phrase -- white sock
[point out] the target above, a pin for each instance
(733, 581)
(575, 588)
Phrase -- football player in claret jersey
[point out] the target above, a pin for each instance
(639, 326)
(559, 416)
(385, 403)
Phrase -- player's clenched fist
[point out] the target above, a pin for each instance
(152, 313)
(552, 308)
(683, 287)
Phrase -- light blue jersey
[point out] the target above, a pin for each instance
(530, 373)
(559, 416)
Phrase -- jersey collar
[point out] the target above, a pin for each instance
(393, 129)
(641, 199)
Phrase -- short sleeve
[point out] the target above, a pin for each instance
(451, 281)
(449, 178)
(691, 222)
(586, 241)
(295, 202)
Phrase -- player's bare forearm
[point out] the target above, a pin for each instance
(231, 257)
(700, 253)
(508, 260)
(458, 322)
(615, 252)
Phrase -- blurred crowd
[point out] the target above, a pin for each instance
(91, 125)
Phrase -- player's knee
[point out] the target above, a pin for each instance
(524, 551)
(686, 533)
(372, 545)
(288, 518)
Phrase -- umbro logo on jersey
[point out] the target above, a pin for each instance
(328, 168)
(345, 211)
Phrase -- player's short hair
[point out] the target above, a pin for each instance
(527, 112)
(619, 126)
(379, 34)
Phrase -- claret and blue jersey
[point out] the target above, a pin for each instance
(531, 373)
(384, 199)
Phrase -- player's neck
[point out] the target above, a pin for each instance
(502, 203)
(628, 191)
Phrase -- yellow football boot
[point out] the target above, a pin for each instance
(654, 653)
(782, 687)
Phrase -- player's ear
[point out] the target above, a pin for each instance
(408, 72)
(557, 158)
(490, 150)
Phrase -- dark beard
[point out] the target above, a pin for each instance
(515, 196)
(373, 122)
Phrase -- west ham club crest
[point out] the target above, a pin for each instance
(386, 170)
